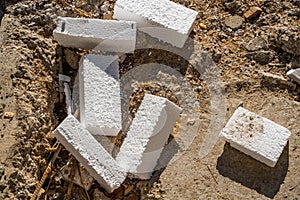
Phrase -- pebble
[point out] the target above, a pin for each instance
(9, 115)
(262, 57)
(234, 22)
(252, 12)
(203, 26)
(257, 44)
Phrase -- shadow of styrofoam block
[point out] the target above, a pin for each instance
(176, 19)
(99, 90)
(85, 148)
(96, 34)
(147, 136)
(256, 136)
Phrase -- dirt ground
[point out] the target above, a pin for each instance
(252, 56)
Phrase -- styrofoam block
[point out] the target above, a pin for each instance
(256, 136)
(85, 148)
(149, 15)
(294, 74)
(147, 135)
(99, 90)
(96, 34)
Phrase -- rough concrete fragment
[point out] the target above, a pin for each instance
(176, 19)
(252, 12)
(294, 74)
(96, 34)
(83, 146)
(147, 135)
(257, 43)
(234, 22)
(256, 136)
(99, 90)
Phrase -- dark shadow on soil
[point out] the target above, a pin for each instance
(251, 173)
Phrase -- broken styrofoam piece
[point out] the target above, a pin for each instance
(85, 148)
(176, 19)
(69, 104)
(99, 90)
(64, 78)
(96, 34)
(294, 74)
(256, 136)
(147, 136)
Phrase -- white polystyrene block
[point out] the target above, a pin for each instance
(85, 148)
(256, 136)
(96, 34)
(99, 91)
(294, 74)
(147, 135)
(152, 16)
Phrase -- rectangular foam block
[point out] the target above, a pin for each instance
(99, 91)
(294, 74)
(256, 136)
(162, 19)
(147, 136)
(84, 147)
(96, 34)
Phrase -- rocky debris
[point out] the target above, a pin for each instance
(234, 7)
(234, 22)
(262, 57)
(289, 40)
(256, 44)
(252, 12)
(294, 74)
(272, 80)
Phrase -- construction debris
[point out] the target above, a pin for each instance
(142, 148)
(96, 34)
(162, 19)
(100, 100)
(90, 153)
(256, 136)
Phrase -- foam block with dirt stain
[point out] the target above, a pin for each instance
(256, 136)
(99, 91)
(96, 34)
(162, 19)
(85, 148)
(147, 136)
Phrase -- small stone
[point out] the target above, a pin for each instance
(104, 7)
(294, 12)
(252, 12)
(257, 44)
(216, 56)
(9, 115)
(203, 26)
(234, 22)
(262, 57)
